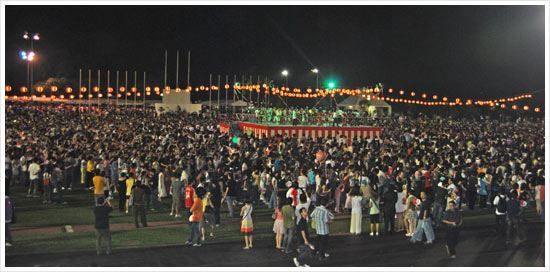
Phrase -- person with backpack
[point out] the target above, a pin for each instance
(501, 203)
(513, 210)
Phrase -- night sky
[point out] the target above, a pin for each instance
(463, 51)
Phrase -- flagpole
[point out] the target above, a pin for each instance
(210, 93)
(108, 86)
(79, 88)
(135, 86)
(218, 91)
(98, 86)
(116, 104)
(126, 92)
(177, 69)
(144, 75)
(89, 88)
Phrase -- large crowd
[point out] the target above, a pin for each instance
(415, 178)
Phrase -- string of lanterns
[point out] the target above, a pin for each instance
(368, 93)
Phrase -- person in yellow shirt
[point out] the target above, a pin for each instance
(129, 184)
(98, 185)
(90, 167)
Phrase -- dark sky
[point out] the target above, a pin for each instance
(474, 51)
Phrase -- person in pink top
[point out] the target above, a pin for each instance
(278, 226)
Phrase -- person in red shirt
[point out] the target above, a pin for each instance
(189, 198)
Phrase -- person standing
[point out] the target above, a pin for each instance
(374, 212)
(539, 197)
(400, 208)
(195, 218)
(10, 219)
(501, 204)
(289, 224)
(410, 215)
(129, 187)
(247, 226)
(189, 197)
(440, 201)
(424, 222)
(122, 192)
(483, 191)
(98, 183)
(138, 202)
(453, 219)
(278, 226)
(321, 218)
(102, 231)
(390, 197)
(34, 171)
(90, 167)
(305, 248)
(229, 194)
(513, 212)
(176, 189)
(356, 211)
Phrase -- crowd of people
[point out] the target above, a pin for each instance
(415, 178)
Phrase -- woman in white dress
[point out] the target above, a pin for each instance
(356, 212)
(161, 186)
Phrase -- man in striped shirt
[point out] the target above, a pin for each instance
(321, 218)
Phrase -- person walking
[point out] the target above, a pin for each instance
(501, 204)
(102, 231)
(320, 218)
(247, 226)
(424, 222)
(278, 226)
(453, 220)
(289, 224)
(138, 202)
(195, 218)
(305, 248)
(356, 211)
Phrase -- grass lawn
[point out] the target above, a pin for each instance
(32, 213)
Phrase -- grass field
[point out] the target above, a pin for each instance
(31, 213)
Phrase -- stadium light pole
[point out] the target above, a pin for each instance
(316, 72)
(30, 57)
(285, 74)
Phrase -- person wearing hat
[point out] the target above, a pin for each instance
(102, 231)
